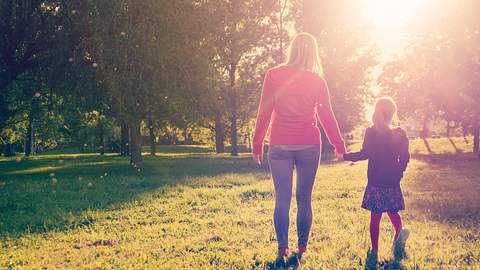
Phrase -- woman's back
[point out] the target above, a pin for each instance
(295, 94)
(291, 98)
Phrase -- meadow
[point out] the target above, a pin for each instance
(187, 208)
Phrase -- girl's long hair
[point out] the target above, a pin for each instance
(385, 110)
(303, 53)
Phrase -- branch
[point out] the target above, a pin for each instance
(17, 121)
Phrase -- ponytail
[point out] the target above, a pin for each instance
(385, 110)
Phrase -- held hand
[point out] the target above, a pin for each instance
(339, 156)
(258, 158)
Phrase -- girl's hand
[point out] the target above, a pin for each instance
(258, 158)
(339, 156)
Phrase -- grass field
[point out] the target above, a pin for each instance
(190, 209)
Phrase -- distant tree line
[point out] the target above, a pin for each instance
(116, 74)
(438, 76)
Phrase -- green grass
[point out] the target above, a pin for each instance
(196, 210)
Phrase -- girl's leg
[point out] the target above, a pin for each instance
(281, 166)
(401, 236)
(375, 219)
(306, 163)
(396, 222)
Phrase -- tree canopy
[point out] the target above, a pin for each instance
(116, 75)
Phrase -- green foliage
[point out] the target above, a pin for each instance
(437, 76)
(346, 53)
(34, 40)
(241, 43)
(191, 71)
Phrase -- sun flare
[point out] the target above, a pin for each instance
(389, 20)
(391, 13)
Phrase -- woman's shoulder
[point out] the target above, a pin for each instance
(284, 73)
(279, 68)
(284, 68)
(277, 71)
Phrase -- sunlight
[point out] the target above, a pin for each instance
(388, 20)
(391, 13)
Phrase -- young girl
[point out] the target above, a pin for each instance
(387, 152)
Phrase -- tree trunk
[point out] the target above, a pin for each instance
(233, 108)
(8, 152)
(448, 129)
(282, 8)
(424, 133)
(187, 135)
(219, 135)
(135, 143)
(30, 138)
(281, 34)
(464, 130)
(151, 130)
(476, 140)
(476, 135)
(101, 137)
(173, 136)
(233, 130)
(124, 138)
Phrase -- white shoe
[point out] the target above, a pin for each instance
(398, 248)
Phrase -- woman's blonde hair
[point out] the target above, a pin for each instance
(303, 53)
(385, 110)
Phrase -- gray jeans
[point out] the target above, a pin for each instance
(282, 162)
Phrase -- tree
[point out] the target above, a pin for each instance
(444, 79)
(402, 80)
(33, 36)
(119, 37)
(470, 74)
(241, 31)
(139, 52)
(346, 54)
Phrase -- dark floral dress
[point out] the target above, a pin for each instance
(388, 156)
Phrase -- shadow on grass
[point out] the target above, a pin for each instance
(427, 145)
(390, 265)
(63, 192)
(445, 189)
(446, 158)
(457, 150)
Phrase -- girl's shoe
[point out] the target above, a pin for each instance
(280, 263)
(399, 245)
(372, 260)
(294, 260)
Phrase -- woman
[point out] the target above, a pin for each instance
(293, 95)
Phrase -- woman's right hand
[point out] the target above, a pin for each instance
(258, 158)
